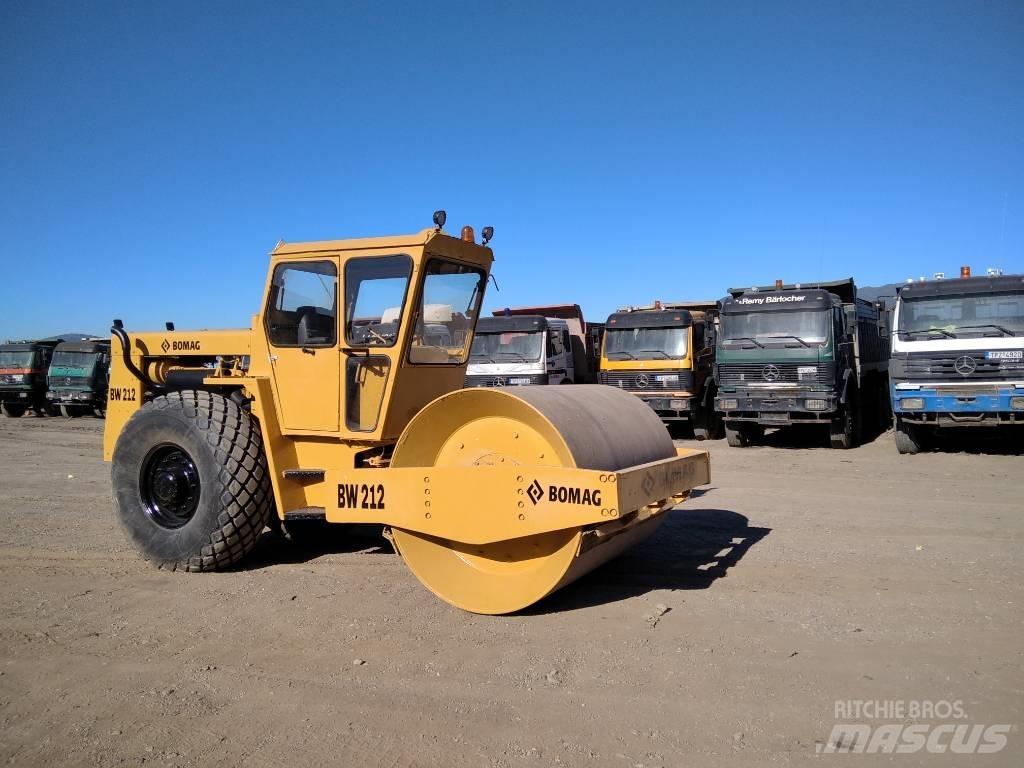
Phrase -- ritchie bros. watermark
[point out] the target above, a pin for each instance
(934, 726)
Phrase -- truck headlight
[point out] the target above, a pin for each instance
(816, 404)
(684, 405)
(913, 403)
(1017, 403)
(728, 405)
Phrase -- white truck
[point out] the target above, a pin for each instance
(957, 357)
(532, 345)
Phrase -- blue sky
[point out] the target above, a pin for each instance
(152, 154)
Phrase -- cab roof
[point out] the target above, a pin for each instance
(962, 286)
(655, 318)
(779, 301)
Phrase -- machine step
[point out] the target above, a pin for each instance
(306, 513)
(304, 474)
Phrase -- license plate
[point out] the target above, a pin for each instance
(1005, 354)
(769, 416)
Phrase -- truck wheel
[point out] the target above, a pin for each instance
(68, 412)
(12, 410)
(736, 435)
(99, 413)
(841, 430)
(710, 427)
(908, 441)
(190, 481)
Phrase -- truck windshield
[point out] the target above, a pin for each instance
(809, 327)
(507, 347)
(62, 359)
(645, 343)
(23, 359)
(993, 314)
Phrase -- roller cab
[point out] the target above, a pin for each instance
(343, 404)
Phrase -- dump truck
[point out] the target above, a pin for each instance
(805, 354)
(77, 377)
(23, 366)
(520, 350)
(322, 410)
(550, 344)
(664, 354)
(957, 357)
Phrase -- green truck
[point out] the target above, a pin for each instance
(77, 379)
(810, 353)
(23, 366)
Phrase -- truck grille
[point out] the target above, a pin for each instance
(962, 367)
(69, 381)
(490, 380)
(649, 381)
(738, 374)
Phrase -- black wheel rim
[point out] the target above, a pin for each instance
(169, 486)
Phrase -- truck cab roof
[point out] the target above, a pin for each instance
(84, 345)
(779, 301)
(654, 318)
(515, 324)
(962, 286)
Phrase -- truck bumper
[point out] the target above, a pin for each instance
(944, 408)
(23, 396)
(670, 406)
(778, 408)
(59, 397)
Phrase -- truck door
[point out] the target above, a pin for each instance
(570, 363)
(301, 321)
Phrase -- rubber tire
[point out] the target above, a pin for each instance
(736, 436)
(69, 411)
(99, 413)
(12, 410)
(235, 497)
(712, 426)
(840, 431)
(908, 441)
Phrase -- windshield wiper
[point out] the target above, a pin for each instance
(744, 338)
(656, 351)
(787, 336)
(623, 352)
(520, 355)
(947, 334)
(1000, 328)
(482, 357)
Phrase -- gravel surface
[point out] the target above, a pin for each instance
(800, 577)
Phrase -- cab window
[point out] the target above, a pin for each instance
(302, 306)
(375, 291)
(447, 312)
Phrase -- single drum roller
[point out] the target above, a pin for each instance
(342, 403)
(580, 427)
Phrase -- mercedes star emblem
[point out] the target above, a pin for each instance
(770, 373)
(965, 365)
(642, 380)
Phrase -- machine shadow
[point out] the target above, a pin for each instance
(691, 550)
(273, 549)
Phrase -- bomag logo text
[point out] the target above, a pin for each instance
(180, 345)
(565, 495)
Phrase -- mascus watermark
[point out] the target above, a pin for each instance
(937, 735)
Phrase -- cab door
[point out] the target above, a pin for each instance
(302, 328)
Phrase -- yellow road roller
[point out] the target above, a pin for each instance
(342, 403)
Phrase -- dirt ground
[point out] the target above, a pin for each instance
(800, 577)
